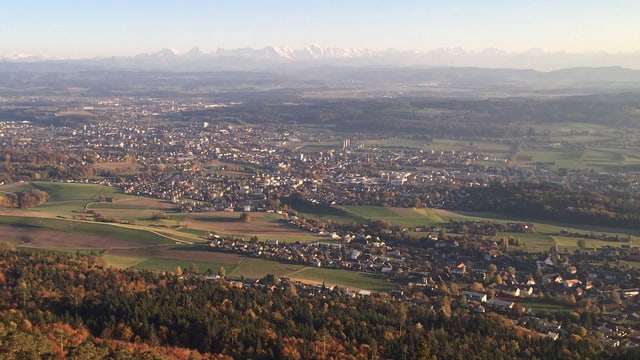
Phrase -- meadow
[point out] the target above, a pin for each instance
(79, 228)
(258, 268)
(171, 265)
(350, 279)
(363, 214)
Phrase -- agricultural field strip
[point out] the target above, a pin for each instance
(22, 219)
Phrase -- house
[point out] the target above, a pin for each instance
(628, 293)
(552, 279)
(546, 264)
(501, 304)
(475, 296)
(461, 269)
(571, 283)
(526, 291)
(512, 291)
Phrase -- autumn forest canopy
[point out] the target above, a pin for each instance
(57, 305)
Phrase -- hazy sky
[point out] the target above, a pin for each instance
(87, 28)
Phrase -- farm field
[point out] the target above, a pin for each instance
(171, 265)
(544, 237)
(69, 200)
(395, 143)
(42, 237)
(151, 243)
(350, 279)
(579, 146)
(77, 191)
(329, 213)
(263, 225)
(362, 214)
(81, 228)
(258, 268)
(541, 308)
(546, 234)
(121, 261)
(168, 258)
(475, 146)
(533, 242)
(396, 216)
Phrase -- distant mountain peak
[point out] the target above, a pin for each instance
(248, 58)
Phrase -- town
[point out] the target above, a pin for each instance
(154, 148)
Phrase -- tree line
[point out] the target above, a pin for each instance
(549, 201)
(24, 199)
(55, 305)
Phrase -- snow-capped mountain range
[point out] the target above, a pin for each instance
(271, 56)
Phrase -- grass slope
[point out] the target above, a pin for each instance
(363, 214)
(75, 191)
(259, 268)
(107, 230)
(161, 264)
(350, 279)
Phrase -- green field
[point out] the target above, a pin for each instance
(174, 234)
(70, 226)
(195, 232)
(475, 146)
(350, 279)
(121, 261)
(540, 307)
(159, 264)
(395, 143)
(396, 216)
(533, 242)
(76, 191)
(365, 214)
(591, 158)
(258, 268)
(583, 146)
(120, 206)
(329, 213)
(67, 199)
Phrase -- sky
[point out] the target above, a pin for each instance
(90, 28)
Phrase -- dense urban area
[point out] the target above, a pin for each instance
(463, 288)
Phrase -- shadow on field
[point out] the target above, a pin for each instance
(26, 226)
(322, 210)
(621, 168)
(218, 219)
(194, 247)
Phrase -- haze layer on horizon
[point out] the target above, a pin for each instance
(82, 29)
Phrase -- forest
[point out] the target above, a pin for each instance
(454, 118)
(55, 305)
(544, 200)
